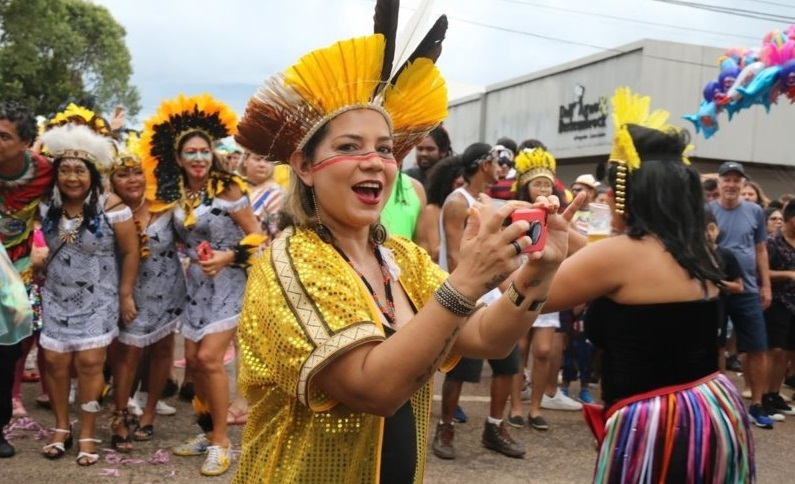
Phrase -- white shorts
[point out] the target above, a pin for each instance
(549, 320)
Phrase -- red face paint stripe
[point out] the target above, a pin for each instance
(357, 158)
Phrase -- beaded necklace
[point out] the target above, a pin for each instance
(388, 309)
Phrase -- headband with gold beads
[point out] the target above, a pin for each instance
(629, 109)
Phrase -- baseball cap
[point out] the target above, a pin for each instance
(731, 166)
(587, 180)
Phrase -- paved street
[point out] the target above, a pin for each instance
(564, 454)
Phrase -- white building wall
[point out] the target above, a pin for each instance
(672, 74)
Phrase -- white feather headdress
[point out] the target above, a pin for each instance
(81, 142)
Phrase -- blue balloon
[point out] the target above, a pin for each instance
(758, 91)
(706, 119)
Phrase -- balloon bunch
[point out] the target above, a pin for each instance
(749, 77)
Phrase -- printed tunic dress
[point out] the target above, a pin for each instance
(213, 303)
(160, 288)
(80, 298)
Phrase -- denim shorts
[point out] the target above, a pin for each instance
(468, 369)
(745, 311)
(780, 326)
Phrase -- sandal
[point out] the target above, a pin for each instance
(142, 433)
(60, 448)
(236, 418)
(88, 459)
(120, 443)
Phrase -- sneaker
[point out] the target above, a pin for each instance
(6, 449)
(516, 421)
(564, 390)
(134, 408)
(585, 396)
(734, 364)
(526, 391)
(496, 437)
(560, 402)
(18, 410)
(759, 417)
(162, 408)
(746, 394)
(196, 446)
(538, 422)
(459, 416)
(218, 460)
(776, 403)
(443, 441)
(43, 400)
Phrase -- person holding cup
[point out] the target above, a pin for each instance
(584, 183)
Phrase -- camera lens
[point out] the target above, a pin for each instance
(534, 232)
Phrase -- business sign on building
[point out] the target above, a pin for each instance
(585, 117)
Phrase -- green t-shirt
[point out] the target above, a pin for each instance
(402, 211)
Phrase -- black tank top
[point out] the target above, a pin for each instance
(650, 346)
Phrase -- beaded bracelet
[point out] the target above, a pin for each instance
(454, 301)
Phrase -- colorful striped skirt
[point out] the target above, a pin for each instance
(692, 433)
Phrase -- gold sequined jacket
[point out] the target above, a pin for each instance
(304, 307)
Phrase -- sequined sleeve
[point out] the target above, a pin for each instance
(302, 310)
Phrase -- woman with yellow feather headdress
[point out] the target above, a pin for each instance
(658, 329)
(535, 177)
(90, 276)
(159, 293)
(213, 217)
(343, 326)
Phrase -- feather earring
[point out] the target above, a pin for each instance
(55, 199)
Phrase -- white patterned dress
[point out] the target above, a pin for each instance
(213, 303)
(80, 297)
(159, 289)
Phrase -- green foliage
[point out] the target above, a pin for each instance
(52, 51)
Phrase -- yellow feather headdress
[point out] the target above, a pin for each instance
(357, 73)
(74, 114)
(129, 154)
(532, 163)
(174, 120)
(633, 109)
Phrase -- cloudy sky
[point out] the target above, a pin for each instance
(227, 47)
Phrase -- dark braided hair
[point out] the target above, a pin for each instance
(91, 207)
(665, 199)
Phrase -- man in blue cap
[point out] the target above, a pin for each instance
(743, 231)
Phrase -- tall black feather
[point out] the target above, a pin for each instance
(430, 47)
(385, 21)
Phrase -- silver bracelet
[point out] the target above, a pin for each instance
(454, 301)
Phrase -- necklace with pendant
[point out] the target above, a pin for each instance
(69, 235)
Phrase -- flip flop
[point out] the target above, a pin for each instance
(236, 418)
(31, 377)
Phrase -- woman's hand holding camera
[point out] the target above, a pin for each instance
(489, 253)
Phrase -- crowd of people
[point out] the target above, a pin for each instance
(326, 271)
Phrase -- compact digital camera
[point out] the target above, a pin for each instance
(538, 227)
